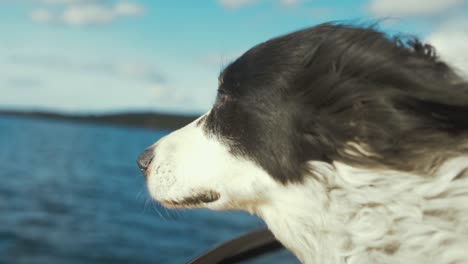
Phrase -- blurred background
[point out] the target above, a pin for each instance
(86, 85)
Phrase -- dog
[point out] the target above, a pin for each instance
(350, 144)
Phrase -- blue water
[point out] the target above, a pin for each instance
(72, 193)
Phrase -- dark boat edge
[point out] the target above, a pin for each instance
(245, 247)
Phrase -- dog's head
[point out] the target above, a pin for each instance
(327, 93)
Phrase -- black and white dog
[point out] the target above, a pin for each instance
(350, 145)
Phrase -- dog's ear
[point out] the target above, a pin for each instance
(320, 139)
(445, 112)
(385, 128)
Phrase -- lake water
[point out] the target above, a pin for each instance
(72, 193)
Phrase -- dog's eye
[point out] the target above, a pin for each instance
(222, 97)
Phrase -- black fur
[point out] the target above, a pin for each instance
(306, 95)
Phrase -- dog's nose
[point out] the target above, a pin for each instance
(145, 158)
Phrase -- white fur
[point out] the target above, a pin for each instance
(188, 161)
(339, 214)
(350, 215)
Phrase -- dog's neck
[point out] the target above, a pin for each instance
(343, 213)
(297, 216)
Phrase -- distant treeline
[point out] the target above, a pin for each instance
(146, 120)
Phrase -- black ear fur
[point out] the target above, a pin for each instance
(394, 97)
(444, 117)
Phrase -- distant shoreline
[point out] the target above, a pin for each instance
(142, 119)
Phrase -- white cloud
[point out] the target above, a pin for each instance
(41, 15)
(87, 14)
(139, 71)
(289, 3)
(450, 34)
(128, 9)
(236, 4)
(406, 8)
(62, 2)
(83, 12)
(74, 83)
(451, 42)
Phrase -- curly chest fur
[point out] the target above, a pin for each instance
(353, 215)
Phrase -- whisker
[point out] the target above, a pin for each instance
(155, 207)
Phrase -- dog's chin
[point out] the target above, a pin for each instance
(198, 200)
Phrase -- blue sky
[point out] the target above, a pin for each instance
(119, 55)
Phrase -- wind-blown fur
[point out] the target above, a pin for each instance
(351, 145)
(374, 216)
